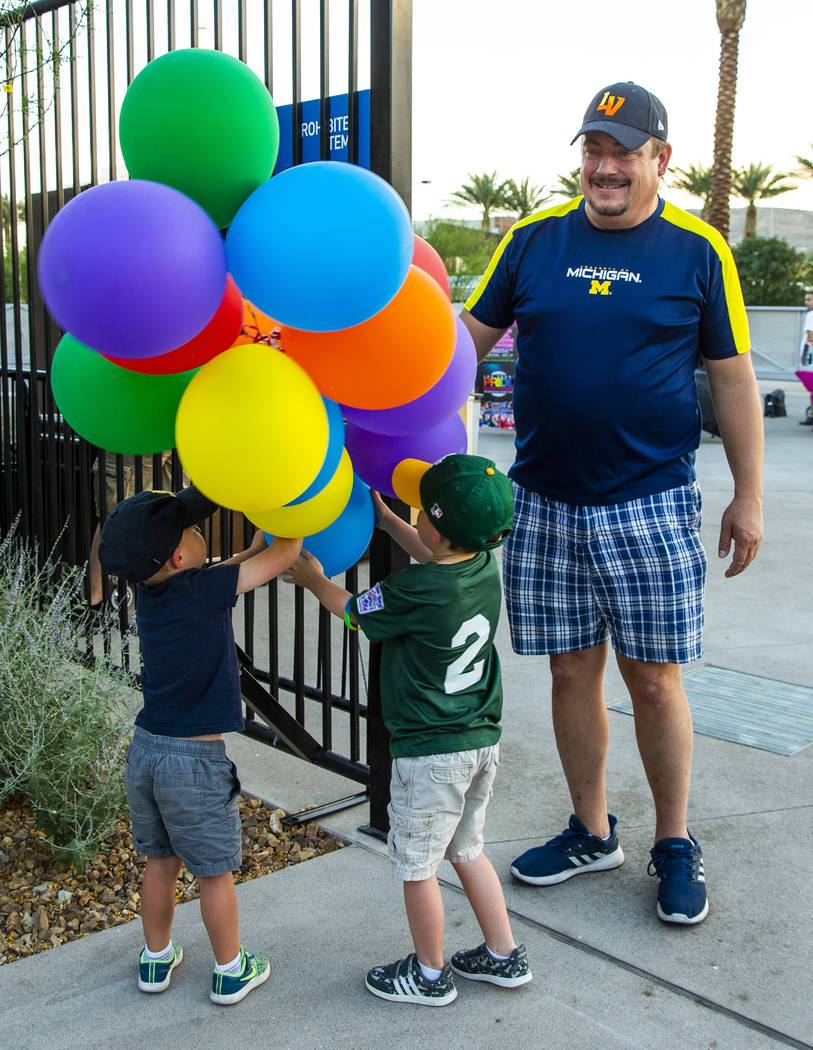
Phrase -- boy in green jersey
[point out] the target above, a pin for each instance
(442, 703)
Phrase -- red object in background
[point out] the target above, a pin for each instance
(427, 259)
(218, 335)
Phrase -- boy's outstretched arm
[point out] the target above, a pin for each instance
(404, 534)
(263, 566)
(307, 572)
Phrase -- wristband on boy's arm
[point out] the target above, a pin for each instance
(347, 620)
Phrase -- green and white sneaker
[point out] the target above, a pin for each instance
(154, 974)
(228, 988)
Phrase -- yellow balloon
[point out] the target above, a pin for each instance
(251, 428)
(406, 480)
(314, 514)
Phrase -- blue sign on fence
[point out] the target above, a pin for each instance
(310, 131)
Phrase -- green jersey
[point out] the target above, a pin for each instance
(440, 675)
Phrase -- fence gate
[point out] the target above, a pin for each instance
(308, 686)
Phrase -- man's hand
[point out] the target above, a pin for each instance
(742, 525)
(306, 571)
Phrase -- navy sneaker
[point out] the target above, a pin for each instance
(228, 988)
(568, 854)
(678, 863)
(478, 964)
(154, 974)
(404, 982)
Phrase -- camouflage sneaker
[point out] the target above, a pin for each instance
(404, 982)
(478, 964)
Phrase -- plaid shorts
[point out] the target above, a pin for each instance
(631, 572)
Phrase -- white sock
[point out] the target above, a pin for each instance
(429, 974)
(230, 967)
(163, 956)
(500, 958)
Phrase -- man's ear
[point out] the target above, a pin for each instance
(175, 560)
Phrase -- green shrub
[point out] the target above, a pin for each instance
(63, 727)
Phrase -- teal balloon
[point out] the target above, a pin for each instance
(112, 407)
(202, 122)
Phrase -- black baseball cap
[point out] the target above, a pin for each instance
(628, 112)
(141, 532)
(468, 501)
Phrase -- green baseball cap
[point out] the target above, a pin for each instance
(468, 501)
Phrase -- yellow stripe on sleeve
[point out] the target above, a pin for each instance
(556, 212)
(731, 282)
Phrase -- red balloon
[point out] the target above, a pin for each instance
(427, 259)
(218, 335)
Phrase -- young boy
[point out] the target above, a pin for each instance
(442, 702)
(181, 787)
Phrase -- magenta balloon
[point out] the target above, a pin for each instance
(375, 456)
(438, 403)
(132, 269)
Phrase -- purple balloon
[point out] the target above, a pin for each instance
(375, 456)
(431, 408)
(132, 269)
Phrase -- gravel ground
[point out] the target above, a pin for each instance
(42, 906)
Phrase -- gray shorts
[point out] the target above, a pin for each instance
(437, 809)
(182, 796)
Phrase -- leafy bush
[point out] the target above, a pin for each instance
(772, 273)
(63, 727)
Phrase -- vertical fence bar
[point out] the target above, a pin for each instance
(390, 157)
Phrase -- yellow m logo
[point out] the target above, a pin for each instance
(611, 104)
(600, 288)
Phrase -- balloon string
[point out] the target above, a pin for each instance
(256, 336)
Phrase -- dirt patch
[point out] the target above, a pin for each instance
(42, 906)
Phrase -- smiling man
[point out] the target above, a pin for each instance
(616, 296)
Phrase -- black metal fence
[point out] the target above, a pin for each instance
(66, 65)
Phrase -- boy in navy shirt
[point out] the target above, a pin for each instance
(181, 787)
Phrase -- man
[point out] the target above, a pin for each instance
(614, 294)
(806, 351)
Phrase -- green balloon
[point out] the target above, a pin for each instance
(202, 122)
(112, 407)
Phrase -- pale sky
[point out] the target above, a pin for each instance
(503, 84)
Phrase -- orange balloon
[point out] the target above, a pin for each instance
(257, 327)
(392, 358)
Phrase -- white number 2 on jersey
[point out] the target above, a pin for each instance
(464, 672)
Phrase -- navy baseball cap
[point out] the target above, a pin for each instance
(628, 112)
(141, 532)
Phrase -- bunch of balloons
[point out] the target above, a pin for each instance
(244, 318)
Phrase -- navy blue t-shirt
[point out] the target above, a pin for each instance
(190, 679)
(609, 327)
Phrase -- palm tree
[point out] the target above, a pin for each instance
(730, 16)
(486, 192)
(569, 185)
(758, 182)
(695, 180)
(524, 199)
(806, 166)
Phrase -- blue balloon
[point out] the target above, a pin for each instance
(321, 246)
(342, 543)
(335, 447)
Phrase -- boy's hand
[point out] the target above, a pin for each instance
(258, 543)
(382, 511)
(305, 571)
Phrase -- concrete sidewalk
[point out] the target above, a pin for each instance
(607, 974)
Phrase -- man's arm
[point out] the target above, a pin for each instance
(483, 335)
(738, 409)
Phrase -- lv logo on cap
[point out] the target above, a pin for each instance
(611, 104)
